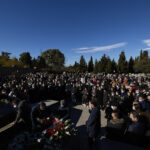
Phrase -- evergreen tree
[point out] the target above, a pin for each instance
(25, 58)
(76, 67)
(114, 66)
(109, 68)
(145, 54)
(141, 54)
(122, 63)
(96, 66)
(142, 63)
(83, 64)
(131, 65)
(90, 65)
(103, 63)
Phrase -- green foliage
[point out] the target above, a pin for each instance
(122, 63)
(76, 67)
(25, 58)
(142, 63)
(41, 62)
(109, 66)
(102, 64)
(5, 61)
(96, 66)
(131, 65)
(83, 64)
(114, 66)
(90, 65)
(53, 57)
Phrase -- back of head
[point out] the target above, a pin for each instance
(94, 102)
(42, 105)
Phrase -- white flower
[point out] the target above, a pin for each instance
(68, 133)
(44, 132)
(67, 127)
(39, 140)
(67, 121)
(56, 133)
(51, 138)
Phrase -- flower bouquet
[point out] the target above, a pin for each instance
(59, 134)
(52, 138)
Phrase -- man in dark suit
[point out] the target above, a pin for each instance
(93, 124)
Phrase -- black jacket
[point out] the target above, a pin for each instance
(24, 111)
(93, 123)
(137, 128)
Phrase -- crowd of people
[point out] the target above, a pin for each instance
(125, 98)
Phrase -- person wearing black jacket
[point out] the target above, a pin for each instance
(23, 112)
(63, 111)
(39, 114)
(93, 124)
(136, 127)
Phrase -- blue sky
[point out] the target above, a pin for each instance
(76, 27)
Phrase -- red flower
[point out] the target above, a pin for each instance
(53, 121)
(50, 131)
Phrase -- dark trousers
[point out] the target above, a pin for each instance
(93, 143)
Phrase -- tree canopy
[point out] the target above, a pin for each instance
(53, 57)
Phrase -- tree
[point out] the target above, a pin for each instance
(90, 65)
(114, 66)
(25, 58)
(53, 57)
(142, 63)
(142, 66)
(141, 54)
(6, 54)
(34, 62)
(145, 54)
(103, 64)
(122, 63)
(83, 64)
(131, 65)
(109, 68)
(76, 67)
(96, 66)
(41, 62)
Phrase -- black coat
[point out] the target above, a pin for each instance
(93, 123)
(24, 111)
(137, 128)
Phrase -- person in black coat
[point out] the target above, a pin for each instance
(93, 124)
(23, 112)
(63, 111)
(39, 114)
(136, 127)
(144, 104)
(100, 96)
